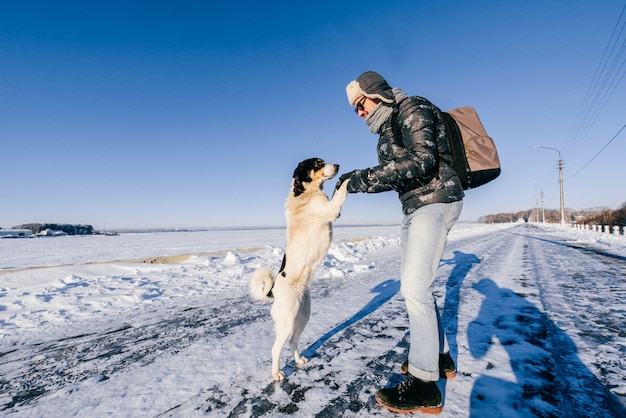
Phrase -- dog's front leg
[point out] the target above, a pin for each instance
(338, 199)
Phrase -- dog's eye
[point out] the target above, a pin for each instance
(319, 164)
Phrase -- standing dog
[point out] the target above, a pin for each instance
(309, 214)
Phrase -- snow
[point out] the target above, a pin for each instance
(161, 324)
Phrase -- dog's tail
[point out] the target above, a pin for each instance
(261, 284)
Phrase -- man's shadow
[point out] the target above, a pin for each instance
(550, 378)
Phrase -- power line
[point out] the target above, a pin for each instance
(609, 74)
(598, 153)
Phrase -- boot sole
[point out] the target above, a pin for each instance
(433, 410)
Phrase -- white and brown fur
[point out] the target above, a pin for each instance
(309, 215)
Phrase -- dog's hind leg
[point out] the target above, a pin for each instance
(282, 334)
(302, 319)
(293, 344)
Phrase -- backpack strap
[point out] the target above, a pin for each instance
(452, 130)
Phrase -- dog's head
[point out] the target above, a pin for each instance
(312, 173)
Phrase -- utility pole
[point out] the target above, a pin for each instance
(543, 212)
(536, 210)
(560, 161)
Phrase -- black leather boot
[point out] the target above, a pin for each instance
(412, 395)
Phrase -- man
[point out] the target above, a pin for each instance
(414, 160)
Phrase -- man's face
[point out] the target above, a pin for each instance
(364, 106)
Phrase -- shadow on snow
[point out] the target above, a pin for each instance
(550, 379)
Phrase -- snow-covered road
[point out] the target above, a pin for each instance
(536, 318)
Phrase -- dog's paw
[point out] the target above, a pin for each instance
(278, 376)
(302, 360)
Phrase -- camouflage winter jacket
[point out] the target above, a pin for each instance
(412, 154)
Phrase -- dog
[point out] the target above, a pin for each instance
(309, 215)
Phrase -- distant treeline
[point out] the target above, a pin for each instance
(602, 216)
(67, 228)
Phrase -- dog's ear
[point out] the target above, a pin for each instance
(302, 171)
(298, 187)
(301, 174)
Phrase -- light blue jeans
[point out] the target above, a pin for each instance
(423, 238)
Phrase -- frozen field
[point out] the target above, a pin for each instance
(161, 324)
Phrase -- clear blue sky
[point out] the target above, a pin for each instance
(141, 114)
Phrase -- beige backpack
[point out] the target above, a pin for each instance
(474, 154)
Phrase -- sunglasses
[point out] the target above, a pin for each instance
(359, 105)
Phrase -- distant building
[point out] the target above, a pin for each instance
(51, 233)
(15, 233)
